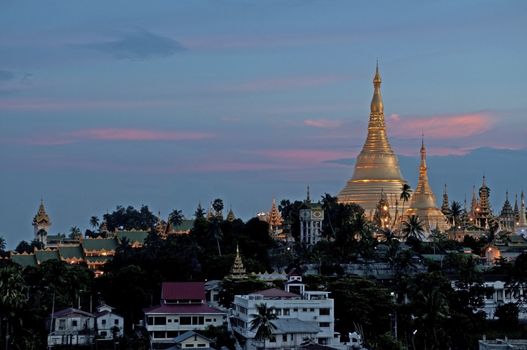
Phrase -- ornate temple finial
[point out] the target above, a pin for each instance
(308, 198)
(484, 182)
(377, 105)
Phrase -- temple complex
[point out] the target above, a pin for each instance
(445, 206)
(377, 166)
(423, 202)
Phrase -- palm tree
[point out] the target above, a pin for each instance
(413, 227)
(94, 221)
(75, 232)
(406, 193)
(262, 322)
(456, 211)
(175, 218)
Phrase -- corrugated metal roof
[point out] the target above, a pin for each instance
(276, 293)
(183, 291)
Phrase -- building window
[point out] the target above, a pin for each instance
(304, 310)
(160, 321)
(62, 324)
(172, 334)
(74, 323)
(159, 335)
(324, 312)
(104, 334)
(116, 322)
(185, 320)
(202, 345)
(284, 338)
(295, 310)
(324, 324)
(311, 310)
(286, 312)
(103, 322)
(272, 339)
(150, 320)
(189, 345)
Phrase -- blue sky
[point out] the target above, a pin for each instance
(174, 102)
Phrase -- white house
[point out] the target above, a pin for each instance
(302, 316)
(71, 327)
(183, 308)
(109, 324)
(191, 340)
(499, 293)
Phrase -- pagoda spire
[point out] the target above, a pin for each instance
(377, 165)
(423, 202)
(445, 207)
(516, 210)
(507, 214)
(41, 223)
(230, 215)
(522, 220)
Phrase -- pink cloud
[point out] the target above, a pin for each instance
(286, 83)
(440, 127)
(322, 123)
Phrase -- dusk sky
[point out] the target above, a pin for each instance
(169, 103)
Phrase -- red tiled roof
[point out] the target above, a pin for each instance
(181, 309)
(276, 293)
(183, 291)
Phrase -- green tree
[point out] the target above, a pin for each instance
(262, 322)
(13, 300)
(406, 193)
(23, 247)
(175, 218)
(75, 232)
(413, 227)
(94, 222)
(456, 212)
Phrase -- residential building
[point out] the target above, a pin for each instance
(183, 308)
(109, 324)
(302, 316)
(191, 340)
(71, 327)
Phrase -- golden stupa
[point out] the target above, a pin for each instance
(423, 202)
(377, 167)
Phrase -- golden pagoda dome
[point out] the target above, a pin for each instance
(377, 166)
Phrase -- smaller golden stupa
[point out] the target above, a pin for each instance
(238, 271)
(423, 202)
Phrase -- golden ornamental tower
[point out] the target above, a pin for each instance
(238, 270)
(423, 203)
(377, 166)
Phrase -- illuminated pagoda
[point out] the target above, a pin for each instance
(507, 219)
(377, 166)
(238, 271)
(516, 210)
(423, 202)
(483, 211)
(275, 220)
(41, 223)
(161, 227)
